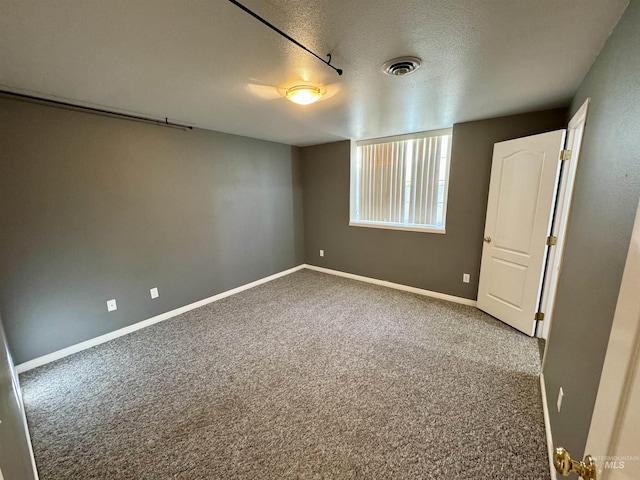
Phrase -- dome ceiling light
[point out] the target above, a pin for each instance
(304, 94)
(401, 66)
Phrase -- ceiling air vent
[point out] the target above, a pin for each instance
(401, 66)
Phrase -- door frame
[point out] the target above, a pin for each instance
(575, 133)
(17, 416)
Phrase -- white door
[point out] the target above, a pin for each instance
(524, 177)
(614, 434)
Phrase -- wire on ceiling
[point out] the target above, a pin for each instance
(293, 40)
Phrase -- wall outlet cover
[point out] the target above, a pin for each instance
(466, 278)
(560, 397)
(112, 305)
(322, 253)
(154, 292)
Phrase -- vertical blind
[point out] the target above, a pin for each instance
(402, 182)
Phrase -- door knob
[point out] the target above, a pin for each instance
(487, 239)
(565, 465)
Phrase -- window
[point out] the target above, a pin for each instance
(401, 182)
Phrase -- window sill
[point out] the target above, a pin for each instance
(407, 228)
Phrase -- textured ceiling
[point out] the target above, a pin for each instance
(209, 64)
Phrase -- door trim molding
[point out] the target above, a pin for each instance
(576, 125)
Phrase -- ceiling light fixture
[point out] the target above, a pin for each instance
(304, 94)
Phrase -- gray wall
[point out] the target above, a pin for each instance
(425, 260)
(95, 207)
(603, 210)
(15, 454)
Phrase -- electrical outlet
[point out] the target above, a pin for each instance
(322, 253)
(154, 292)
(111, 305)
(466, 278)
(560, 397)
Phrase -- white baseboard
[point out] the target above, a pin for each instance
(397, 286)
(78, 347)
(547, 427)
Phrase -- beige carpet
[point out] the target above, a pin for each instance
(309, 376)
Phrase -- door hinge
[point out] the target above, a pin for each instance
(565, 154)
(539, 316)
(551, 240)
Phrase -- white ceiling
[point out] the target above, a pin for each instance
(209, 64)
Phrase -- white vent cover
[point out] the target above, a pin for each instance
(401, 66)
